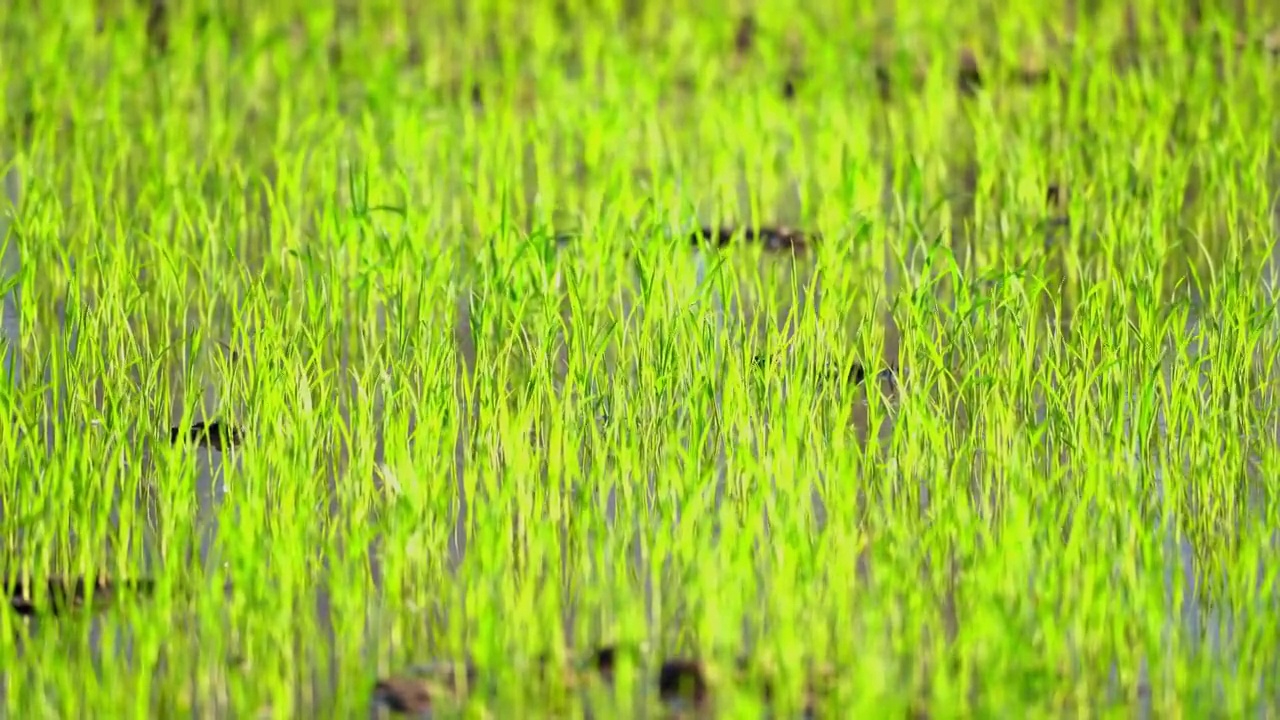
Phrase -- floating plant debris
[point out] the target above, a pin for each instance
(404, 695)
(1055, 199)
(62, 595)
(1268, 43)
(417, 690)
(604, 660)
(158, 26)
(214, 435)
(683, 681)
(791, 83)
(969, 76)
(1053, 195)
(751, 676)
(856, 375)
(744, 38)
(445, 673)
(773, 239)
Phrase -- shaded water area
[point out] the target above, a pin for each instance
(11, 320)
(1191, 621)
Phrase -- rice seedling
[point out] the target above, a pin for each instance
(900, 360)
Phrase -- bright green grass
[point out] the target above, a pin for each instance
(1072, 421)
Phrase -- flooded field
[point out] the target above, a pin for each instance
(376, 360)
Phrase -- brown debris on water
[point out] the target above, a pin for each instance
(822, 678)
(819, 682)
(1029, 76)
(682, 683)
(775, 239)
(215, 435)
(1271, 42)
(404, 695)
(1127, 52)
(888, 78)
(334, 52)
(62, 594)
(549, 669)
(791, 82)
(752, 676)
(413, 52)
(969, 76)
(418, 690)
(446, 673)
(1268, 43)
(856, 375)
(158, 26)
(603, 660)
(233, 355)
(744, 38)
(1059, 221)
(884, 82)
(887, 376)
(1055, 198)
